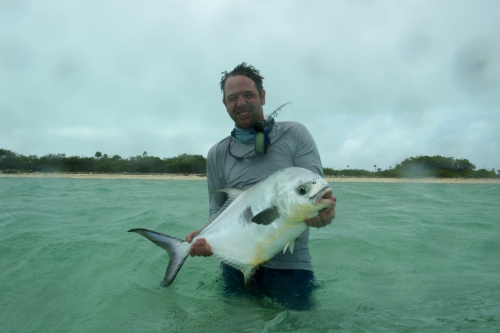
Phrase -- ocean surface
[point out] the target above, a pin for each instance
(399, 257)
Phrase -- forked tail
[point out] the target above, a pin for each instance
(176, 248)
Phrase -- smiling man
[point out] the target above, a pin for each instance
(243, 101)
(287, 278)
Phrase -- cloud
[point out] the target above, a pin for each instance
(375, 82)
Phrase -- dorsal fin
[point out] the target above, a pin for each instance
(232, 193)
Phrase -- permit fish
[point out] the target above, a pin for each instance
(255, 224)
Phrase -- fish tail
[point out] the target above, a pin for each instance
(176, 248)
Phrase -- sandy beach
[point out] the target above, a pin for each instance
(203, 177)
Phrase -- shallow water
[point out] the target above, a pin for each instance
(401, 257)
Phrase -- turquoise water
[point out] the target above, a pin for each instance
(400, 257)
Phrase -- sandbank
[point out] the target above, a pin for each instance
(173, 176)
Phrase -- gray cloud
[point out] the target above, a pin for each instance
(375, 82)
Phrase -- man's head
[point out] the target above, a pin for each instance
(243, 95)
(245, 70)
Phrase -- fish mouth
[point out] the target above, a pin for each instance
(323, 197)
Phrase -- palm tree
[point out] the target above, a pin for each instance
(375, 166)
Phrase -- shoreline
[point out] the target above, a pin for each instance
(165, 176)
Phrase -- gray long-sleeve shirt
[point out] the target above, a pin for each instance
(291, 146)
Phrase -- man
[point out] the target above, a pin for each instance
(232, 163)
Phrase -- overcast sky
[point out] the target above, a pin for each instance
(375, 82)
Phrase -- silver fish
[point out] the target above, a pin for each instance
(253, 225)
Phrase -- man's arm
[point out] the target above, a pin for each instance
(215, 200)
(307, 156)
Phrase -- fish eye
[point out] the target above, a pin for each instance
(301, 190)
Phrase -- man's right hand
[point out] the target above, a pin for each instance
(200, 247)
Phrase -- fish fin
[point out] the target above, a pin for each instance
(248, 271)
(232, 193)
(176, 248)
(267, 216)
(248, 274)
(290, 245)
(286, 247)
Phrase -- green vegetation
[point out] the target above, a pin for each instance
(12, 162)
(420, 167)
(413, 167)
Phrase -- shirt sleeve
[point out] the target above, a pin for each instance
(215, 182)
(306, 155)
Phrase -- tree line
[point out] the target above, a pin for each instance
(413, 167)
(422, 167)
(11, 162)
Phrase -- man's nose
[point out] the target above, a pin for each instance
(241, 100)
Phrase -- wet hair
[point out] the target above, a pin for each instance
(246, 70)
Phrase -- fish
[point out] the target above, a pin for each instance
(253, 225)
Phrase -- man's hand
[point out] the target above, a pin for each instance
(200, 247)
(325, 216)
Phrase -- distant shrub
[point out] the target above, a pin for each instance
(413, 167)
(102, 163)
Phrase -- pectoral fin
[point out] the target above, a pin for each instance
(290, 245)
(267, 216)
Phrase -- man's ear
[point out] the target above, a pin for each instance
(263, 97)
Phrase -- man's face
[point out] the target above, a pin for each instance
(242, 101)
